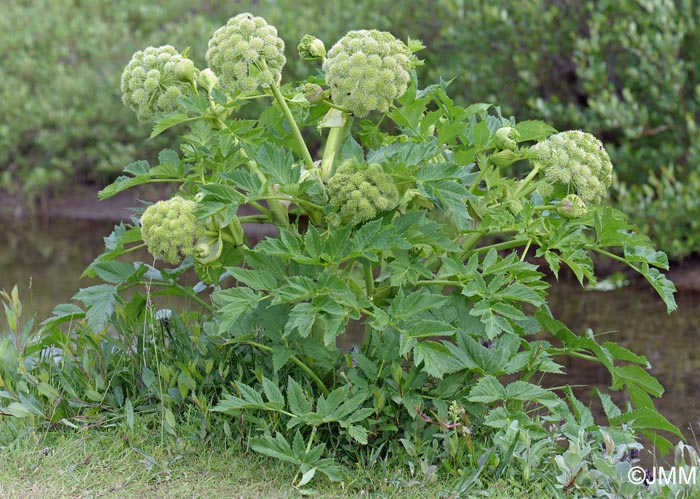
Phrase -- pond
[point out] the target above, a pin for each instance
(46, 257)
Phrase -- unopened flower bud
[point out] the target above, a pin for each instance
(506, 138)
(572, 206)
(504, 158)
(207, 79)
(184, 70)
(208, 250)
(311, 48)
(313, 93)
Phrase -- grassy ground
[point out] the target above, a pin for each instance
(92, 463)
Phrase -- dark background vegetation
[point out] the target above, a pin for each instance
(624, 70)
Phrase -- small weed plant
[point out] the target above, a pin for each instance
(414, 226)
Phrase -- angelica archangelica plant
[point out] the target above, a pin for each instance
(409, 222)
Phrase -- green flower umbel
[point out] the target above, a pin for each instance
(246, 53)
(576, 158)
(170, 229)
(358, 192)
(154, 79)
(367, 70)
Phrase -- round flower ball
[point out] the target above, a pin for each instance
(154, 79)
(576, 158)
(358, 192)
(170, 229)
(246, 53)
(366, 70)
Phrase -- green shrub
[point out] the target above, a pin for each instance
(62, 115)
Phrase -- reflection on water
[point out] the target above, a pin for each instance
(49, 255)
(53, 253)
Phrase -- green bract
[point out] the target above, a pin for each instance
(367, 70)
(577, 158)
(246, 53)
(154, 79)
(170, 229)
(358, 192)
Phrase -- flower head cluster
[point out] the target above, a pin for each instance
(154, 79)
(579, 159)
(246, 53)
(170, 229)
(367, 70)
(358, 192)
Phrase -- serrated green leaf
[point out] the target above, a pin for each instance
(272, 392)
(487, 390)
(232, 303)
(301, 319)
(648, 419)
(358, 433)
(635, 375)
(113, 272)
(277, 162)
(276, 447)
(259, 281)
(100, 301)
(297, 401)
(137, 168)
(481, 134)
(437, 359)
(534, 130)
(63, 313)
(170, 121)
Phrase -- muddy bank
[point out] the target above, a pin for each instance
(81, 203)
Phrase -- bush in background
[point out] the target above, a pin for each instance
(59, 97)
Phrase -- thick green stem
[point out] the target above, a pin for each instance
(479, 177)
(471, 241)
(369, 280)
(336, 137)
(254, 219)
(504, 245)
(308, 161)
(525, 182)
(293, 200)
(278, 212)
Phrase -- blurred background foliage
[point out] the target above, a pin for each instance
(627, 71)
